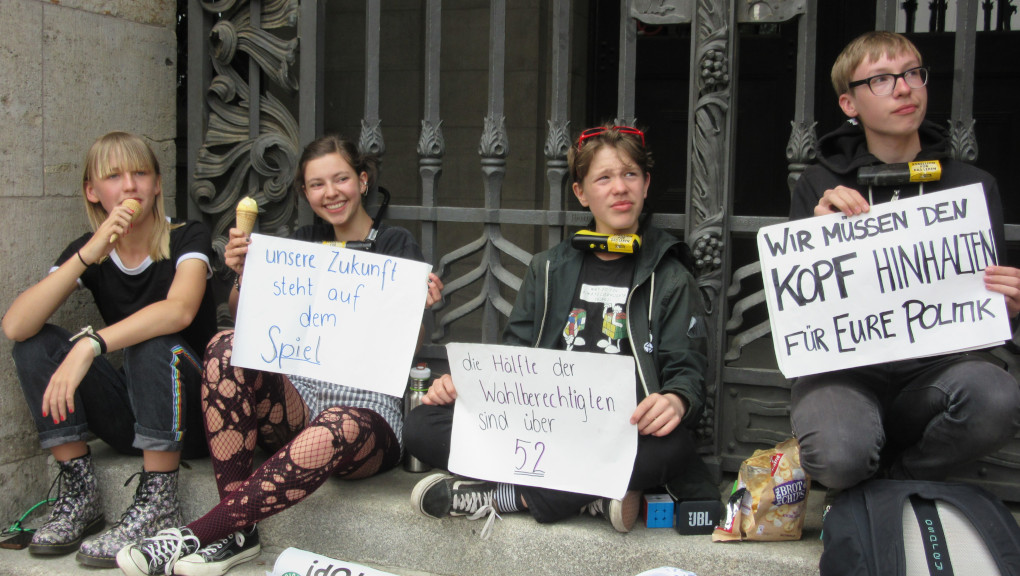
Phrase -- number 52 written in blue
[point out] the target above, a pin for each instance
(529, 454)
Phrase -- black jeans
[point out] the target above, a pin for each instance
(152, 403)
(427, 437)
(921, 418)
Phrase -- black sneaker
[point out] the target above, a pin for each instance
(157, 554)
(622, 514)
(442, 495)
(222, 555)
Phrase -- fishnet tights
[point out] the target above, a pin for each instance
(243, 407)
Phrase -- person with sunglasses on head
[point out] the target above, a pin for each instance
(655, 293)
(918, 418)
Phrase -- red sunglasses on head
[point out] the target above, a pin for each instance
(592, 132)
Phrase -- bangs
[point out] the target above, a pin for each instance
(869, 47)
(892, 50)
(117, 153)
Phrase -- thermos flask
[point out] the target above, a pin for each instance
(417, 387)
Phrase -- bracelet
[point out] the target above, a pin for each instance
(237, 282)
(97, 349)
(97, 341)
(82, 260)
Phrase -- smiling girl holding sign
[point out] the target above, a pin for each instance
(636, 298)
(315, 429)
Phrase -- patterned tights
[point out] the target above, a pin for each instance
(246, 407)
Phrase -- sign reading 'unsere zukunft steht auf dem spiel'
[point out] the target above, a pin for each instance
(329, 313)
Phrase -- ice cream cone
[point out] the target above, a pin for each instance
(136, 211)
(247, 212)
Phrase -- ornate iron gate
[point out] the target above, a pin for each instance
(256, 96)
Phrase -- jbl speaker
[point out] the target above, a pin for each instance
(697, 516)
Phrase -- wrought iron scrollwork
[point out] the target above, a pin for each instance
(709, 162)
(557, 142)
(801, 149)
(963, 141)
(715, 71)
(431, 143)
(232, 161)
(235, 160)
(494, 143)
(493, 149)
(371, 140)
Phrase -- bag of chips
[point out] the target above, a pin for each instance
(769, 497)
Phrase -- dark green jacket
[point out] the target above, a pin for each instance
(667, 338)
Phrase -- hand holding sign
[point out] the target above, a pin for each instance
(1005, 280)
(329, 313)
(904, 280)
(545, 418)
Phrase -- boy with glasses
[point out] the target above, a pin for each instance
(919, 418)
(645, 305)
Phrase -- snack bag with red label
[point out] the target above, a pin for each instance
(773, 491)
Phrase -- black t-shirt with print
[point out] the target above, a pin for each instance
(120, 292)
(598, 320)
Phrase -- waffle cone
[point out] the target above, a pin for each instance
(247, 212)
(246, 221)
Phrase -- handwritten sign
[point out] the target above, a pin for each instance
(904, 280)
(546, 418)
(328, 313)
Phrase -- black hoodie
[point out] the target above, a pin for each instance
(844, 150)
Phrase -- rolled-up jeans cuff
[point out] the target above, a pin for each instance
(60, 436)
(158, 440)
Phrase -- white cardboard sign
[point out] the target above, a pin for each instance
(328, 313)
(298, 562)
(904, 280)
(545, 418)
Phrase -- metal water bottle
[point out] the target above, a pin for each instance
(417, 387)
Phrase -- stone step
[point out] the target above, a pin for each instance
(372, 522)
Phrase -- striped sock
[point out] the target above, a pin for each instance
(506, 498)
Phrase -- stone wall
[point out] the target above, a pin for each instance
(69, 72)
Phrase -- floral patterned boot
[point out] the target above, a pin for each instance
(77, 512)
(155, 508)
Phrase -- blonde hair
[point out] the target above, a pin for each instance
(118, 152)
(870, 46)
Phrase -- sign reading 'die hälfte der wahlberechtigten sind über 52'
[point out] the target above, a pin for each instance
(545, 418)
(328, 313)
(904, 280)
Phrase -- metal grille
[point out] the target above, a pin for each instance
(256, 93)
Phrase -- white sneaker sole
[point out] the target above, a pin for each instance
(127, 565)
(624, 514)
(422, 487)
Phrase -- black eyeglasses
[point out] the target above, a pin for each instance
(884, 84)
(592, 132)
